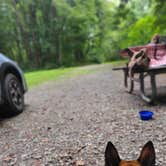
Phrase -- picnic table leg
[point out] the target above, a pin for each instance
(125, 77)
(153, 86)
(128, 82)
(142, 89)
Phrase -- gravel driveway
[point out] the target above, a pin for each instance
(72, 119)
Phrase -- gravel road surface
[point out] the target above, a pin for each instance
(71, 120)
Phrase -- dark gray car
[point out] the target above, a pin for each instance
(12, 86)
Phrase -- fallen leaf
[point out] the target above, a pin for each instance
(80, 163)
(8, 158)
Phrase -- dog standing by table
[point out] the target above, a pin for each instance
(146, 158)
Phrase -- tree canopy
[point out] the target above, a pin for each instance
(54, 33)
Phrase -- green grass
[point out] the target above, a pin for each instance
(41, 76)
(118, 62)
(38, 77)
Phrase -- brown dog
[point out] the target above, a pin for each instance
(146, 158)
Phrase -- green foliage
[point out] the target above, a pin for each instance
(54, 33)
(141, 32)
(159, 12)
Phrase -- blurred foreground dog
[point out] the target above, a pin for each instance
(146, 158)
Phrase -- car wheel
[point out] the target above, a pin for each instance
(13, 95)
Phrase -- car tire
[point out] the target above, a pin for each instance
(13, 95)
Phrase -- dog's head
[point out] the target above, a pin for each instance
(146, 158)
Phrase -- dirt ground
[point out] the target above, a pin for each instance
(72, 120)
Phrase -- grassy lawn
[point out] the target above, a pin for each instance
(119, 62)
(38, 77)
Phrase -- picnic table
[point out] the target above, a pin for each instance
(157, 55)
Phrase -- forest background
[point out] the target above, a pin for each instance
(56, 33)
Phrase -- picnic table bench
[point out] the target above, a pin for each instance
(157, 55)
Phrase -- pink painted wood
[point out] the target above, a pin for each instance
(156, 53)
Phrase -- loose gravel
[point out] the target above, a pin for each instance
(71, 120)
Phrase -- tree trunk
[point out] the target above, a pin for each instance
(24, 35)
(58, 51)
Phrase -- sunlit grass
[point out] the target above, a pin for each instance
(41, 76)
(38, 77)
(118, 63)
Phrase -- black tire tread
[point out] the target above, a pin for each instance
(8, 107)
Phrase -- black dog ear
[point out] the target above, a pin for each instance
(147, 156)
(111, 155)
(130, 52)
(140, 53)
(126, 52)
